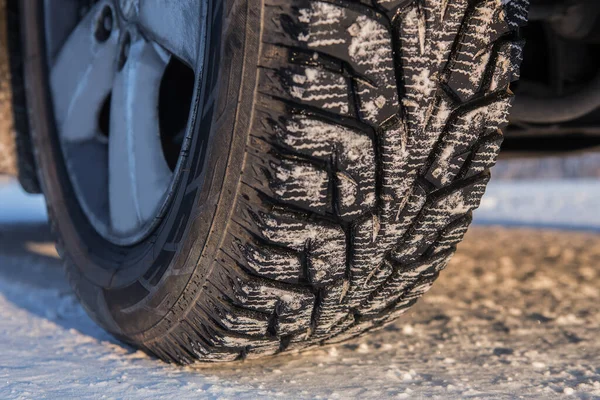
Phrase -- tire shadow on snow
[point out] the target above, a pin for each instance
(32, 277)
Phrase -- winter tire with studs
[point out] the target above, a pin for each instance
(231, 179)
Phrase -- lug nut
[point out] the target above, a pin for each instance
(104, 24)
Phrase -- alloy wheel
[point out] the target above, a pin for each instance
(122, 79)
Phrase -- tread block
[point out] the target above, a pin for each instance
(373, 239)
(446, 167)
(367, 267)
(289, 308)
(323, 245)
(506, 69)
(242, 322)
(516, 13)
(359, 39)
(485, 156)
(370, 52)
(452, 235)
(349, 152)
(461, 135)
(427, 31)
(436, 216)
(314, 87)
(404, 279)
(468, 67)
(209, 334)
(274, 263)
(301, 184)
(330, 309)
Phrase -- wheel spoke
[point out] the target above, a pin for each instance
(138, 173)
(175, 25)
(82, 76)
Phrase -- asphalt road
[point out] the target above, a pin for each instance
(515, 314)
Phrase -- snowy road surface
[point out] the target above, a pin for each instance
(515, 314)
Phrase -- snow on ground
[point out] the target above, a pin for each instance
(515, 314)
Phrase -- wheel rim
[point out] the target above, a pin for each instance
(121, 72)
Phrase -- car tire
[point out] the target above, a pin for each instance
(337, 153)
